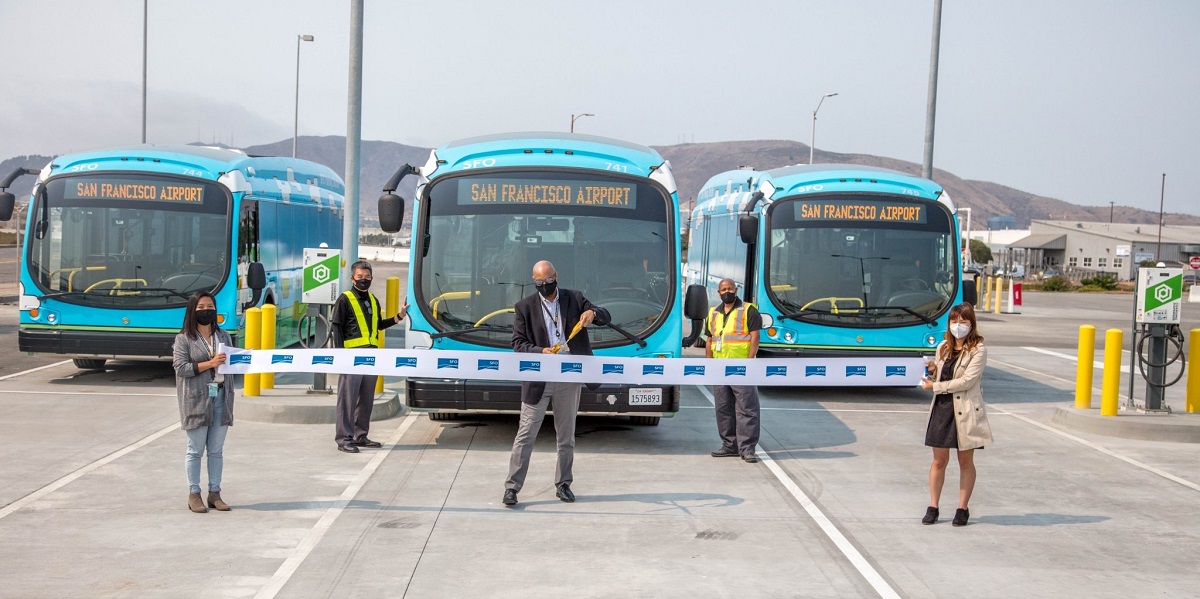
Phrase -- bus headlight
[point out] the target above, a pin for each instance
(931, 340)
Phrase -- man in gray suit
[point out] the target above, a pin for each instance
(542, 322)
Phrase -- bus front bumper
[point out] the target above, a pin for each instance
(107, 344)
(505, 396)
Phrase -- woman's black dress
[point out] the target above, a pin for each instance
(942, 431)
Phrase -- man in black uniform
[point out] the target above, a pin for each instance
(356, 323)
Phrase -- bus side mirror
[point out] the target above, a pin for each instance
(391, 212)
(695, 303)
(8, 202)
(256, 276)
(748, 228)
(970, 294)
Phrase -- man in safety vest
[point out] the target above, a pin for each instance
(356, 322)
(732, 330)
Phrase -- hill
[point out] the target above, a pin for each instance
(693, 164)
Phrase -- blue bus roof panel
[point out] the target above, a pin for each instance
(547, 149)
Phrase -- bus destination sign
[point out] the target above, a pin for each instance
(124, 189)
(596, 194)
(861, 210)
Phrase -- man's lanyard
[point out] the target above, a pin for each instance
(554, 318)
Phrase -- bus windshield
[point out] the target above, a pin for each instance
(606, 235)
(861, 260)
(128, 240)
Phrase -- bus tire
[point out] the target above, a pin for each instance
(442, 416)
(645, 420)
(89, 363)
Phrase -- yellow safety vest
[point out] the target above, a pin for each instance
(729, 337)
(363, 340)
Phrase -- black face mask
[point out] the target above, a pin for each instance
(206, 317)
(547, 289)
(362, 284)
(728, 297)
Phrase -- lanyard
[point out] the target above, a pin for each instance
(553, 317)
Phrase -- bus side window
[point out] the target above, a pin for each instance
(248, 232)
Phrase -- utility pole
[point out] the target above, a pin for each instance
(353, 138)
(1110, 211)
(145, 38)
(1161, 194)
(931, 103)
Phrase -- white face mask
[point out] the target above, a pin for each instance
(960, 330)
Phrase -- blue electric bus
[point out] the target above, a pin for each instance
(840, 259)
(486, 209)
(116, 241)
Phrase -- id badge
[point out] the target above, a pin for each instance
(717, 344)
(214, 389)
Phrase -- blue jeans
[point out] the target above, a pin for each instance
(211, 438)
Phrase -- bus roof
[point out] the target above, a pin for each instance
(269, 176)
(553, 149)
(822, 178)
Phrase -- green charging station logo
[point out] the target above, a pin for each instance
(321, 273)
(1165, 292)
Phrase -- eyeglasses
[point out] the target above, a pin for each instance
(540, 282)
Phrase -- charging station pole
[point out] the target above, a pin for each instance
(1158, 308)
(321, 288)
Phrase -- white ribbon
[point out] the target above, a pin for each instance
(509, 366)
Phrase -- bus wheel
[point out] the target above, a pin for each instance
(645, 420)
(443, 416)
(89, 363)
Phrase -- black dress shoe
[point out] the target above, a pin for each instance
(348, 448)
(724, 452)
(365, 442)
(931, 515)
(750, 458)
(960, 517)
(510, 497)
(564, 493)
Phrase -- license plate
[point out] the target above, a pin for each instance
(645, 397)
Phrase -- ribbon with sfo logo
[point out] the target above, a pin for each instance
(509, 366)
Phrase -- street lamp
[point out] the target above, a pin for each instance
(296, 123)
(574, 117)
(813, 141)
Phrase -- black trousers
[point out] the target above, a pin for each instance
(355, 400)
(737, 416)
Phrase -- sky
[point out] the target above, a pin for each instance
(1088, 101)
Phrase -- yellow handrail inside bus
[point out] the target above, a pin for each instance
(833, 304)
(449, 295)
(71, 277)
(496, 313)
(116, 286)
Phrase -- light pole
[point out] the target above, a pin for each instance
(296, 122)
(813, 141)
(145, 38)
(574, 117)
(1161, 194)
(931, 100)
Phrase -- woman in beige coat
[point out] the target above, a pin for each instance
(957, 416)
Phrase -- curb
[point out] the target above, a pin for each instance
(291, 404)
(1175, 427)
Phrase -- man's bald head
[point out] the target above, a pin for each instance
(544, 270)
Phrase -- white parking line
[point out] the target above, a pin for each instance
(62, 482)
(10, 376)
(310, 541)
(867, 411)
(121, 394)
(1095, 364)
(860, 563)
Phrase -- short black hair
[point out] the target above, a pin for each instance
(190, 327)
(361, 265)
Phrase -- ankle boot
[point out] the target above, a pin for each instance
(214, 502)
(196, 504)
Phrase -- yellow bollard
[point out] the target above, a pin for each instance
(987, 292)
(1112, 372)
(1085, 367)
(1193, 373)
(253, 341)
(270, 317)
(391, 304)
(996, 296)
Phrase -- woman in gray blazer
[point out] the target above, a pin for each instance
(205, 396)
(957, 416)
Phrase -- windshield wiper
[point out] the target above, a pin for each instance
(455, 333)
(165, 290)
(856, 312)
(627, 334)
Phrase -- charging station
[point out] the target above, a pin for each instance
(1158, 340)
